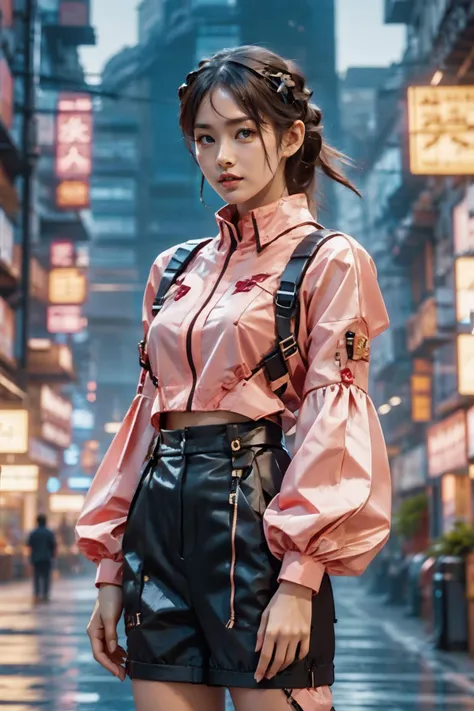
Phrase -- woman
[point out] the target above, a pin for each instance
(221, 560)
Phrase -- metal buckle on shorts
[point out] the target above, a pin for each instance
(235, 445)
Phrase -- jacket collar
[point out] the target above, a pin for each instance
(264, 224)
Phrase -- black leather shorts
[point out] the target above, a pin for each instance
(197, 569)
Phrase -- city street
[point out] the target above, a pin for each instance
(382, 661)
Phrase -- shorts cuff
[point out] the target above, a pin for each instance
(301, 678)
(166, 672)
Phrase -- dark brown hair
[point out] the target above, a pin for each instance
(242, 71)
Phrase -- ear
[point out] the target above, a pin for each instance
(293, 139)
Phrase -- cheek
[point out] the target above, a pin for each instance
(204, 159)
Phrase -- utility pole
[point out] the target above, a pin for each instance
(29, 160)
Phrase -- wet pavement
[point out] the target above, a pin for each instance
(45, 662)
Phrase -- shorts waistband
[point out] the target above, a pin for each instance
(219, 438)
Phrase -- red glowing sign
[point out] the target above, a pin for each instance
(74, 138)
(6, 8)
(73, 150)
(6, 94)
(65, 319)
(74, 13)
(62, 254)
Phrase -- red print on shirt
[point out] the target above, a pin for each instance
(182, 289)
(347, 377)
(248, 284)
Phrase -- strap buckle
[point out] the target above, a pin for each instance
(142, 355)
(157, 304)
(288, 344)
(285, 293)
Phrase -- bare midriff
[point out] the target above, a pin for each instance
(179, 420)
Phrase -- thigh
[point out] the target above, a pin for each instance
(167, 696)
(282, 699)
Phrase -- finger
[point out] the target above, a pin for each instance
(290, 654)
(265, 656)
(280, 656)
(304, 647)
(110, 627)
(118, 657)
(261, 631)
(101, 656)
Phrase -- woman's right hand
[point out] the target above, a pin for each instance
(102, 630)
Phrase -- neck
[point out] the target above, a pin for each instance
(270, 193)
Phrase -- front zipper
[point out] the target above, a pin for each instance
(181, 511)
(189, 351)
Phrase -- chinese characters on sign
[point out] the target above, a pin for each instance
(73, 151)
(441, 130)
(67, 288)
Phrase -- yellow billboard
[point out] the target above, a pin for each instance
(464, 274)
(441, 130)
(13, 431)
(67, 286)
(465, 345)
(19, 478)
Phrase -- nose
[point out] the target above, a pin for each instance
(224, 157)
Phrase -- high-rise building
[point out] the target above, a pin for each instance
(115, 289)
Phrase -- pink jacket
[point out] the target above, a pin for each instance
(333, 511)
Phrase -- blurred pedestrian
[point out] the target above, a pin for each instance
(42, 544)
(221, 558)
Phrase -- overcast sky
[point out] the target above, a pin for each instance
(363, 39)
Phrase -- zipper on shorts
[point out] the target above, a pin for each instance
(234, 502)
(189, 349)
(181, 504)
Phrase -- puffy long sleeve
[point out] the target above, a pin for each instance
(101, 524)
(332, 513)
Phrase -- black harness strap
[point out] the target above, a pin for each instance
(176, 266)
(287, 307)
(286, 304)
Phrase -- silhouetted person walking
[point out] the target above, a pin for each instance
(42, 544)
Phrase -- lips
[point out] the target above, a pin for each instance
(229, 178)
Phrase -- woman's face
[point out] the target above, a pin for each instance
(227, 142)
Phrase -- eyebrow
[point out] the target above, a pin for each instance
(229, 122)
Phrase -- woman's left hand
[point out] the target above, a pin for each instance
(285, 624)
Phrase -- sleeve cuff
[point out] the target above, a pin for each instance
(109, 572)
(301, 569)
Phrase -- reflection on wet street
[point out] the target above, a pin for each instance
(45, 662)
